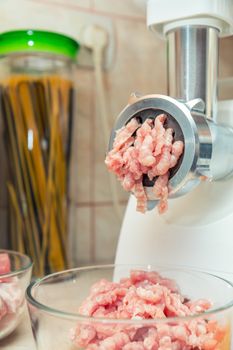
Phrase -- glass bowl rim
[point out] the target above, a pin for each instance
(27, 266)
(81, 318)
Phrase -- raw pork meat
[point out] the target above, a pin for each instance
(145, 149)
(145, 296)
(5, 265)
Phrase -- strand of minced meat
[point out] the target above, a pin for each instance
(149, 149)
(145, 295)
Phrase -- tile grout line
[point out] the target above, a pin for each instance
(92, 248)
(92, 5)
(97, 204)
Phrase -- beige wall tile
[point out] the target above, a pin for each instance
(139, 66)
(103, 190)
(79, 3)
(122, 7)
(79, 230)
(225, 57)
(80, 176)
(225, 89)
(107, 233)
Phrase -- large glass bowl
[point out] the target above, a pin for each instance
(12, 291)
(54, 303)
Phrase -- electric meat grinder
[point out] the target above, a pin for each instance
(197, 230)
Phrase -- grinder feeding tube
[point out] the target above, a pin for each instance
(189, 232)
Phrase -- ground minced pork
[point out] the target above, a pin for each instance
(145, 296)
(147, 148)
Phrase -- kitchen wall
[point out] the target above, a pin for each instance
(139, 65)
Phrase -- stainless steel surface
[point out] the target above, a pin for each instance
(208, 150)
(193, 65)
(221, 166)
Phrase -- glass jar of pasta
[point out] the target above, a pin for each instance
(36, 111)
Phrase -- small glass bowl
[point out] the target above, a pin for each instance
(12, 291)
(54, 302)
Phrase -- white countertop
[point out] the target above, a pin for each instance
(21, 338)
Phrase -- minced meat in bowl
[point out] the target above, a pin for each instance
(131, 308)
(15, 275)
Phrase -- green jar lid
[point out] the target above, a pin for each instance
(38, 41)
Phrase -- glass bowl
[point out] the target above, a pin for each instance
(57, 322)
(15, 275)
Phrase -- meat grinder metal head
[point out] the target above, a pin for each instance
(208, 147)
(191, 107)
